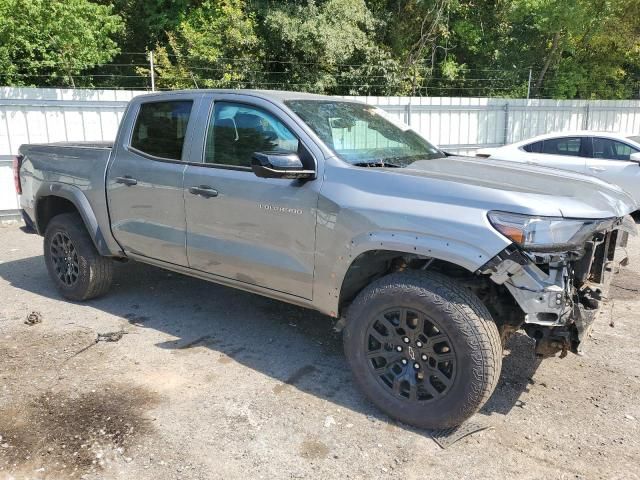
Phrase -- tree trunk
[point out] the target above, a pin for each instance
(547, 63)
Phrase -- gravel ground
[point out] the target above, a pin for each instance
(207, 382)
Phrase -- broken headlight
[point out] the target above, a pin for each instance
(546, 234)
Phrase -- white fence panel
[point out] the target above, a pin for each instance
(461, 125)
(36, 115)
(466, 124)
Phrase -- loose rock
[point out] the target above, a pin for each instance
(33, 318)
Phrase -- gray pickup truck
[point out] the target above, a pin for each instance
(430, 261)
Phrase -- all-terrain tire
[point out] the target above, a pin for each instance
(90, 273)
(471, 338)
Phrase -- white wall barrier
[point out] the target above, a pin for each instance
(460, 125)
(35, 115)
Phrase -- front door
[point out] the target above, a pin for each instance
(144, 183)
(253, 230)
(611, 162)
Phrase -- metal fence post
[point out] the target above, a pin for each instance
(407, 113)
(585, 123)
(151, 70)
(505, 137)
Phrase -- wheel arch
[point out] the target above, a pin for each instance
(374, 263)
(55, 199)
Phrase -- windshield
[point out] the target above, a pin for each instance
(363, 135)
(634, 139)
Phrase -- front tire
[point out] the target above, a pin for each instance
(74, 264)
(423, 349)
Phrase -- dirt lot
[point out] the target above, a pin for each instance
(208, 382)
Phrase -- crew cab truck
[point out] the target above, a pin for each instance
(429, 260)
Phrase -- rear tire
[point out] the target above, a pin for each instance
(423, 348)
(74, 264)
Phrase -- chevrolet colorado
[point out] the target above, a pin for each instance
(430, 261)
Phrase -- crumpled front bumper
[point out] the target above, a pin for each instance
(561, 293)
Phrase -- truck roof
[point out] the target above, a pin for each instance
(274, 95)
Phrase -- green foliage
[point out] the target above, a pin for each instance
(327, 47)
(214, 46)
(49, 42)
(573, 48)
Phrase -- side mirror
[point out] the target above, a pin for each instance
(635, 157)
(279, 165)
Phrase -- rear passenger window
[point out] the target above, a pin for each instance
(563, 146)
(533, 147)
(161, 127)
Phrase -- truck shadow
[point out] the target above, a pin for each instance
(295, 346)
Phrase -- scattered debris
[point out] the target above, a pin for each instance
(329, 421)
(612, 322)
(203, 340)
(101, 337)
(625, 288)
(629, 417)
(110, 336)
(448, 436)
(33, 318)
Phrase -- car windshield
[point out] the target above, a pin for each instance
(363, 135)
(635, 138)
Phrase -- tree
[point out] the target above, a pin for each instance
(52, 42)
(575, 48)
(328, 46)
(148, 23)
(214, 46)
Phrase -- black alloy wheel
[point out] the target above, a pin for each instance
(65, 258)
(410, 355)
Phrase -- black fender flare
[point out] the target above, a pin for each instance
(74, 195)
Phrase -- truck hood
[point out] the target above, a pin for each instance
(519, 188)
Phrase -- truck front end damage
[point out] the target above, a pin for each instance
(558, 271)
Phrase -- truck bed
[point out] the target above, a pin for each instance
(80, 163)
(83, 144)
(74, 170)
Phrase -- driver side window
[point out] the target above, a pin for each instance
(236, 131)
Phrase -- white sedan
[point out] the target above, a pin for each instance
(612, 157)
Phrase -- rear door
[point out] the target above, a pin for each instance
(568, 153)
(144, 182)
(257, 231)
(611, 162)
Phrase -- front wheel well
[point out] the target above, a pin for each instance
(374, 264)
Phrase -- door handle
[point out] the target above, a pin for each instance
(597, 169)
(127, 180)
(204, 191)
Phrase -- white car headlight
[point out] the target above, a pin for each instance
(546, 234)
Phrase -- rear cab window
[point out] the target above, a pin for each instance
(161, 127)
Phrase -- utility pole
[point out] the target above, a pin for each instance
(153, 75)
(529, 84)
